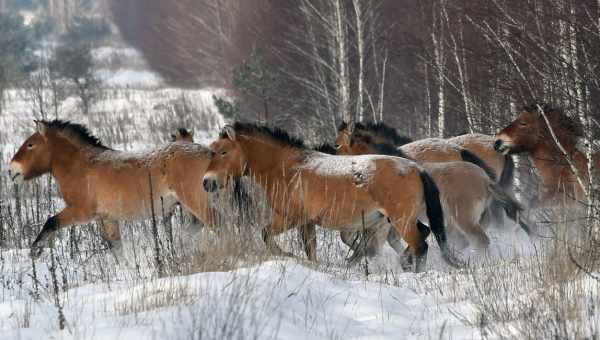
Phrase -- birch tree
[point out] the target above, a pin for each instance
(439, 52)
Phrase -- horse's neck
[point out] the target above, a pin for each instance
(553, 167)
(274, 172)
(68, 165)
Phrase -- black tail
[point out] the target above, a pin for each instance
(435, 214)
(508, 173)
(511, 206)
(470, 157)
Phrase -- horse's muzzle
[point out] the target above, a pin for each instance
(210, 185)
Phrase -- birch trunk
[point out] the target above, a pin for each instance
(361, 56)
(439, 55)
(342, 61)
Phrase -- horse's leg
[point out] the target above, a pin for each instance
(395, 241)
(309, 239)
(276, 227)
(415, 238)
(372, 238)
(476, 236)
(350, 238)
(111, 233)
(66, 217)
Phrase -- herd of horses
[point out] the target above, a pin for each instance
(373, 185)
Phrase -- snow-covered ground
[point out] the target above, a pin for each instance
(277, 299)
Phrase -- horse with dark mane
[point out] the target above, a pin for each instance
(306, 187)
(98, 183)
(466, 190)
(473, 148)
(529, 134)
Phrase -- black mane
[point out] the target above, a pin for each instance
(386, 131)
(78, 130)
(276, 133)
(379, 129)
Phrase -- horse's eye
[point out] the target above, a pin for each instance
(30, 146)
(337, 146)
(223, 153)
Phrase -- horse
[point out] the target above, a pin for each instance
(106, 185)
(306, 187)
(530, 135)
(466, 189)
(474, 148)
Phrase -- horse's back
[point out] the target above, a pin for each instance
(483, 147)
(432, 150)
(347, 185)
(122, 179)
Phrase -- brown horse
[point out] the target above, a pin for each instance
(306, 187)
(474, 148)
(466, 189)
(106, 185)
(529, 135)
(466, 148)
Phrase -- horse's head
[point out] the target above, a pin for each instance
(523, 134)
(33, 157)
(182, 135)
(353, 141)
(228, 161)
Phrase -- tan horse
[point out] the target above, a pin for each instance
(306, 187)
(106, 185)
(529, 135)
(466, 190)
(473, 148)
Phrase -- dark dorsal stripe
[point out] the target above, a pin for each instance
(77, 130)
(276, 134)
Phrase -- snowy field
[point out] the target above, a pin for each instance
(519, 290)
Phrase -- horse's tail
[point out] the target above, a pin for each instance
(508, 173)
(435, 215)
(470, 157)
(511, 206)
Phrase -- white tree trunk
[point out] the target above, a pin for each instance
(360, 44)
(439, 55)
(342, 61)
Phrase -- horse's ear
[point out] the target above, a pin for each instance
(41, 127)
(229, 131)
